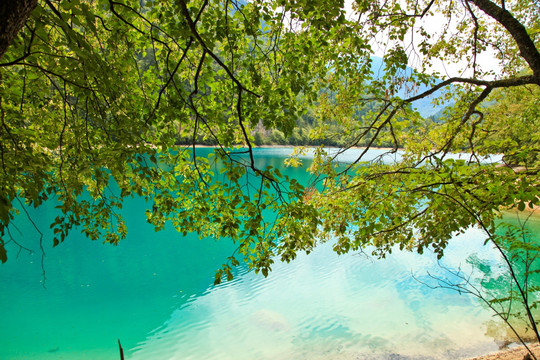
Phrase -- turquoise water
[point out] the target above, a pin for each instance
(154, 292)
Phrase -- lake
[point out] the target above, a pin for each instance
(155, 293)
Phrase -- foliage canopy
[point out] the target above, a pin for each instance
(100, 92)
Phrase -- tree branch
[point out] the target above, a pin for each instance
(193, 28)
(503, 83)
(516, 29)
(26, 54)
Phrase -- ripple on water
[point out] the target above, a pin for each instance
(323, 306)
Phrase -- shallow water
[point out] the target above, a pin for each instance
(329, 306)
(154, 292)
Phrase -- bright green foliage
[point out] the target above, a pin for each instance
(512, 127)
(95, 96)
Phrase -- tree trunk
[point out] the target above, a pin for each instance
(13, 15)
(516, 29)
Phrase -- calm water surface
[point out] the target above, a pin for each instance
(154, 292)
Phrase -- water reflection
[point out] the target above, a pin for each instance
(325, 306)
(154, 292)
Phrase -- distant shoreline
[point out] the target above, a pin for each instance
(289, 146)
(516, 353)
(534, 212)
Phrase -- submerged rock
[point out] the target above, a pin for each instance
(270, 320)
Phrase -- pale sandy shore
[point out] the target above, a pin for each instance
(517, 353)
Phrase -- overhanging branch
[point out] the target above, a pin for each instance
(518, 32)
(503, 83)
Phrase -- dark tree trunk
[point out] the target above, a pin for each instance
(13, 15)
(526, 46)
